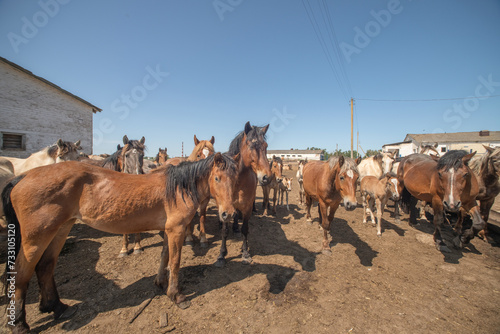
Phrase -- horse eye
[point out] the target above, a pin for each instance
(440, 175)
(466, 174)
(341, 178)
(217, 179)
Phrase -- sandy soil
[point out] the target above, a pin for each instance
(398, 283)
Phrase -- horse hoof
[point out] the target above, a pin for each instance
(457, 243)
(189, 243)
(67, 313)
(183, 305)
(246, 260)
(220, 263)
(138, 251)
(204, 244)
(327, 252)
(379, 235)
(123, 254)
(443, 248)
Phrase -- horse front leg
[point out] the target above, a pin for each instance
(325, 224)
(203, 215)
(161, 278)
(308, 209)
(380, 210)
(124, 250)
(176, 235)
(275, 198)
(137, 247)
(485, 207)
(265, 198)
(245, 254)
(438, 223)
(287, 208)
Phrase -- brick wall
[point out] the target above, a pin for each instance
(41, 113)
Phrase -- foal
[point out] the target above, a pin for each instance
(376, 193)
(276, 166)
(300, 180)
(284, 187)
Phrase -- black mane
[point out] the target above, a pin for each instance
(111, 162)
(186, 175)
(254, 133)
(452, 159)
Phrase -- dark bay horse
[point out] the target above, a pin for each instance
(276, 166)
(330, 183)
(448, 184)
(487, 171)
(42, 206)
(250, 149)
(161, 157)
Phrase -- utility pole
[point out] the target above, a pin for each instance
(182, 154)
(357, 145)
(352, 139)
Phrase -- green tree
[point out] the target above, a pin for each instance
(371, 153)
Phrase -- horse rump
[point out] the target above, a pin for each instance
(11, 218)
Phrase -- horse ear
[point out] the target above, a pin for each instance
(212, 140)
(118, 147)
(341, 161)
(77, 144)
(469, 156)
(159, 150)
(489, 149)
(143, 140)
(218, 159)
(435, 145)
(196, 141)
(394, 154)
(264, 129)
(60, 142)
(434, 157)
(237, 157)
(358, 160)
(125, 140)
(248, 127)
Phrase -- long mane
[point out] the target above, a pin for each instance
(452, 159)
(187, 174)
(349, 164)
(254, 133)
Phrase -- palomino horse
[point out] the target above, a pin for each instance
(330, 182)
(376, 193)
(447, 184)
(487, 171)
(276, 166)
(300, 180)
(161, 157)
(60, 151)
(376, 165)
(285, 187)
(202, 149)
(43, 205)
(250, 149)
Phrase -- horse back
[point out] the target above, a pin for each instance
(317, 180)
(419, 176)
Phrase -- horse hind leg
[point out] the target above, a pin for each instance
(49, 297)
(203, 235)
(137, 247)
(245, 254)
(124, 250)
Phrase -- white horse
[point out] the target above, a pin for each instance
(60, 151)
(376, 165)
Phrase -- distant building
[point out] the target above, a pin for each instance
(468, 141)
(295, 155)
(35, 113)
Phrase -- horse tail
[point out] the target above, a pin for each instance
(13, 227)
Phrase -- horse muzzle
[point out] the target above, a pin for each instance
(349, 206)
(452, 207)
(264, 180)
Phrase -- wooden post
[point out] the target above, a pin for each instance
(352, 135)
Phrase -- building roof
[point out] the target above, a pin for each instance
(456, 137)
(94, 108)
(398, 143)
(294, 151)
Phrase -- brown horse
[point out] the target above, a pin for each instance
(376, 193)
(487, 171)
(161, 157)
(330, 182)
(60, 151)
(43, 205)
(202, 149)
(250, 149)
(447, 184)
(276, 166)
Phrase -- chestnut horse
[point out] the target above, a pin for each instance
(276, 166)
(60, 151)
(448, 184)
(330, 182)
(201, 150)
(42, 206)
(250, 149)
(487, 171)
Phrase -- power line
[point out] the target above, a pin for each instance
(427, 100)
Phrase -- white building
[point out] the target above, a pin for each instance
(35, 113)
(468, 141)
(296, 155)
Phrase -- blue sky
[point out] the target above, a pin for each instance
(168, 70)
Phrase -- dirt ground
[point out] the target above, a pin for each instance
(397, 283)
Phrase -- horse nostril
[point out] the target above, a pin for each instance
(224, 215)
(459, 204)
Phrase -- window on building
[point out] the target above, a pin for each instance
(443, 149)
(13, 141)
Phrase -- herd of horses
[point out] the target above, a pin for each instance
(118, 194)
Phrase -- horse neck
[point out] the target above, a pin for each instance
(203, 187)
(38, 159)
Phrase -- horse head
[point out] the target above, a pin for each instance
(161, 157)
(221, 182)
(346, 177)
(491, 166)
(393, 186)
(202, 149)
(276, 166)
(132, 155)
(454, 176)
(67, 151)
(253, 151)
(387, 161)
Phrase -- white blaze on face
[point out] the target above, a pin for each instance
(452, 179)
(395, 182)
(206, 152)
(350, 173)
